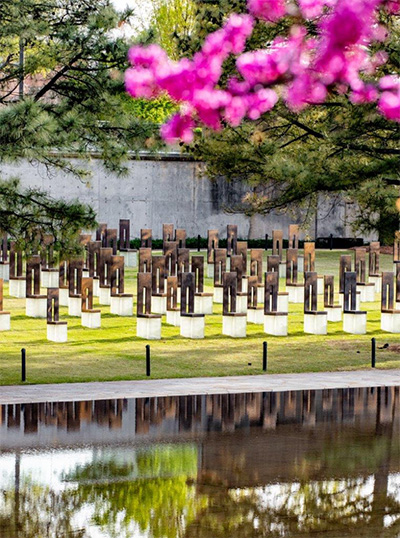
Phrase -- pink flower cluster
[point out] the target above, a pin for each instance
(299, 68)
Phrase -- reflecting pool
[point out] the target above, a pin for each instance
(305, 463)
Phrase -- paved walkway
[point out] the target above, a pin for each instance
(67, 392)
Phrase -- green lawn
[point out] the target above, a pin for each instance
(113, 352)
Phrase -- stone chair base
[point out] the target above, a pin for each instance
(130, 257)
(159, 304)
(203, 303)
(174, 318)
(282, 269)
(75, 306)
(255, 315)
(57, 331)
(390, 322)
(300, 264)
(5, 321)
(104, 295)
(192, 326)
(355, 322)
(296, 294)
(377, 281)
(358, 300)
(17, 288)
(218, 295)
(367, 292)
(148, 328)
(122, 305)
(316, 323)
(210, 270)
(276, 323)
(334, 313)
(245, 284)
(234, 325)
(63, 296)
(91, 319)
(85, 273)
(5, 271)
(49, 278)
(36, 307)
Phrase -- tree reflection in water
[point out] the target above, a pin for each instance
(301, 465)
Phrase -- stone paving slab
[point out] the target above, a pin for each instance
(67, 392)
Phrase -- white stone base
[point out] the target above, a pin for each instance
(390, 322)
(174, 318)
(276, 325)
(245, 284)
(234, 326)
(36, 307)
(5, 271)
(130, 258)
(377, 281)
(241, 304)
(63, 296)
(300, 264)
(355, 322)
(96, 287)
(85, 273)
(159, 304)
(282, 270)
(358, 300)
(210, 270)
(57, 332)
(92, 320)
(283, 302)
(367, 293)
(17, 288)
(104, 296)
(203, 304)
(218, 295)
(296, 294)
(316, 323)
(255, 315)
(192, 327)
(49, 279)
(148, 328)
(75, 306)
(122, 306)
(320, 285)
(334, 313)
(5, 321)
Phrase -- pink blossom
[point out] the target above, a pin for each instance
(389, 101)
(367, 94)
(260, 102)
(178, 127)
(269, 10)
(312, 9)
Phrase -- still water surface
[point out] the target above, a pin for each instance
(310, 463)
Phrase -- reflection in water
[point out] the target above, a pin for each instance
(325, 463)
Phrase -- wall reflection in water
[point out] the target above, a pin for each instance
(244, 465)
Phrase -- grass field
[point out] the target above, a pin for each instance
(113, 352)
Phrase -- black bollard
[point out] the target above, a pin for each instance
(373, 352)
(266, 241)
(331, 242)
(148, 360)
(265, 356)
(198, 243)
(23, 364)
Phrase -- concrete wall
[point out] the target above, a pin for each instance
(168, 190)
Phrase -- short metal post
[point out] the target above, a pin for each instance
(266, 241)
(331, 242)
(265, 356)
(373, 352)
(148, 360)
(23, 364)
(198, 243)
